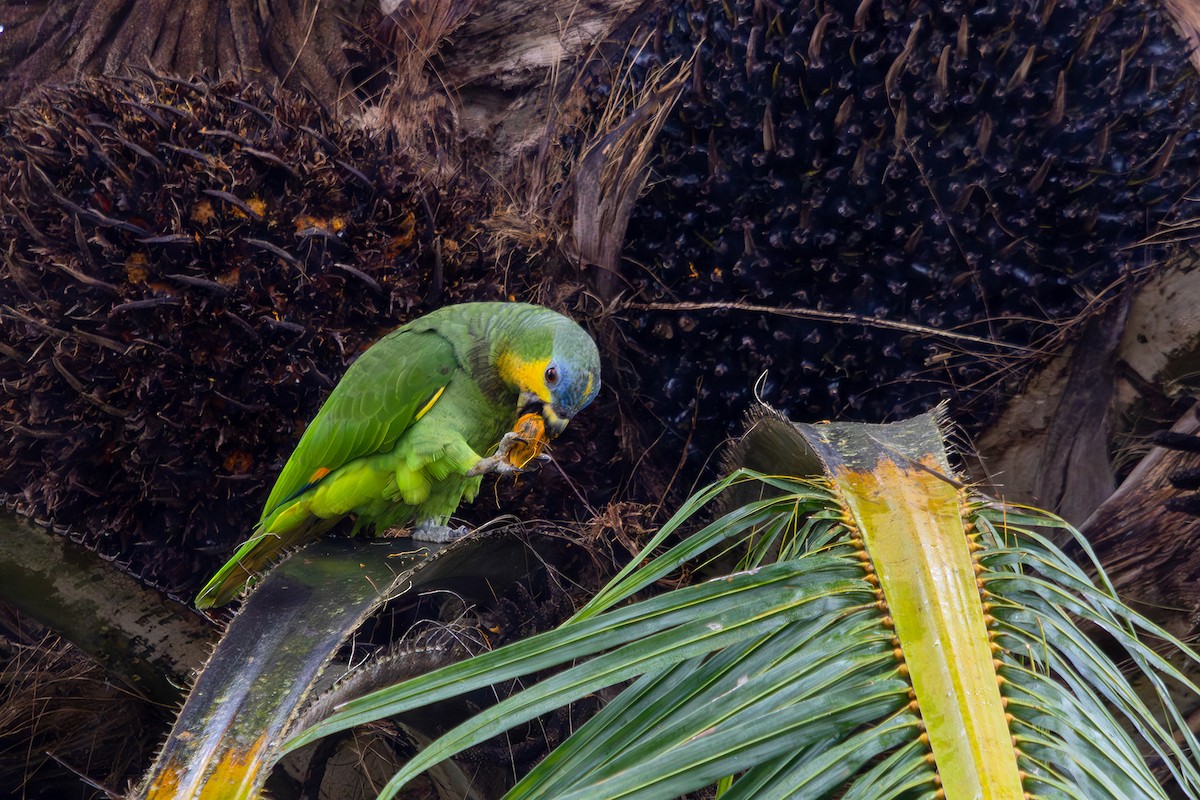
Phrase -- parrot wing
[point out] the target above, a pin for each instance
(382, 394)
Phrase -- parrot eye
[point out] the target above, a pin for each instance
(551, 376)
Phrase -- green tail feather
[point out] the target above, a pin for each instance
(250, 559)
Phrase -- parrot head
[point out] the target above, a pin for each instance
(555, 368)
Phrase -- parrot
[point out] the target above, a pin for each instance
(399, 440)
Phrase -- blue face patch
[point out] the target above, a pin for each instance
(575, 389)
(576, 366)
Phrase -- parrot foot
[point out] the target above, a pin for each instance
(498, 462)
(430, 531)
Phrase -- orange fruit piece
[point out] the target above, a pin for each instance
(531, 432)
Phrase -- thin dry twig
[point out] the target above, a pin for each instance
(843, 317)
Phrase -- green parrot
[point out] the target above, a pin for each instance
(399, 440)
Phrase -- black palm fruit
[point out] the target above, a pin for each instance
(186, 270)
(984, 168)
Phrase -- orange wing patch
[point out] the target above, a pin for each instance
(320, 473)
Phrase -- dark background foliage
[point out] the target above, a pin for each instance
(187, 265)
(983, 168)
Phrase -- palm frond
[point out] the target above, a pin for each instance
(858, 665)
(267, 664)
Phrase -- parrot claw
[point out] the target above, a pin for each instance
(430, 531)
(498, 461)
(534, 463)
(495, 464)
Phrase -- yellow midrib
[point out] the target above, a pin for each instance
(911, 524)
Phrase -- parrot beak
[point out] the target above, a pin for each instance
(528, 401)
(554, 423)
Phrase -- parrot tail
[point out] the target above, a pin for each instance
(258, 552)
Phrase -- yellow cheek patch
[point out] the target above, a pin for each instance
(429, 405)
(529, 376)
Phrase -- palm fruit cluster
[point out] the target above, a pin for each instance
(979, 167)
(186, 270)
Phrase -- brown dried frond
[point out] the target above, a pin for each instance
(610, 175)
(570, 198)
(619, 532)
(60, 713)
(1187, 18)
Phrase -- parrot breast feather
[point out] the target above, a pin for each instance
(381, 395)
